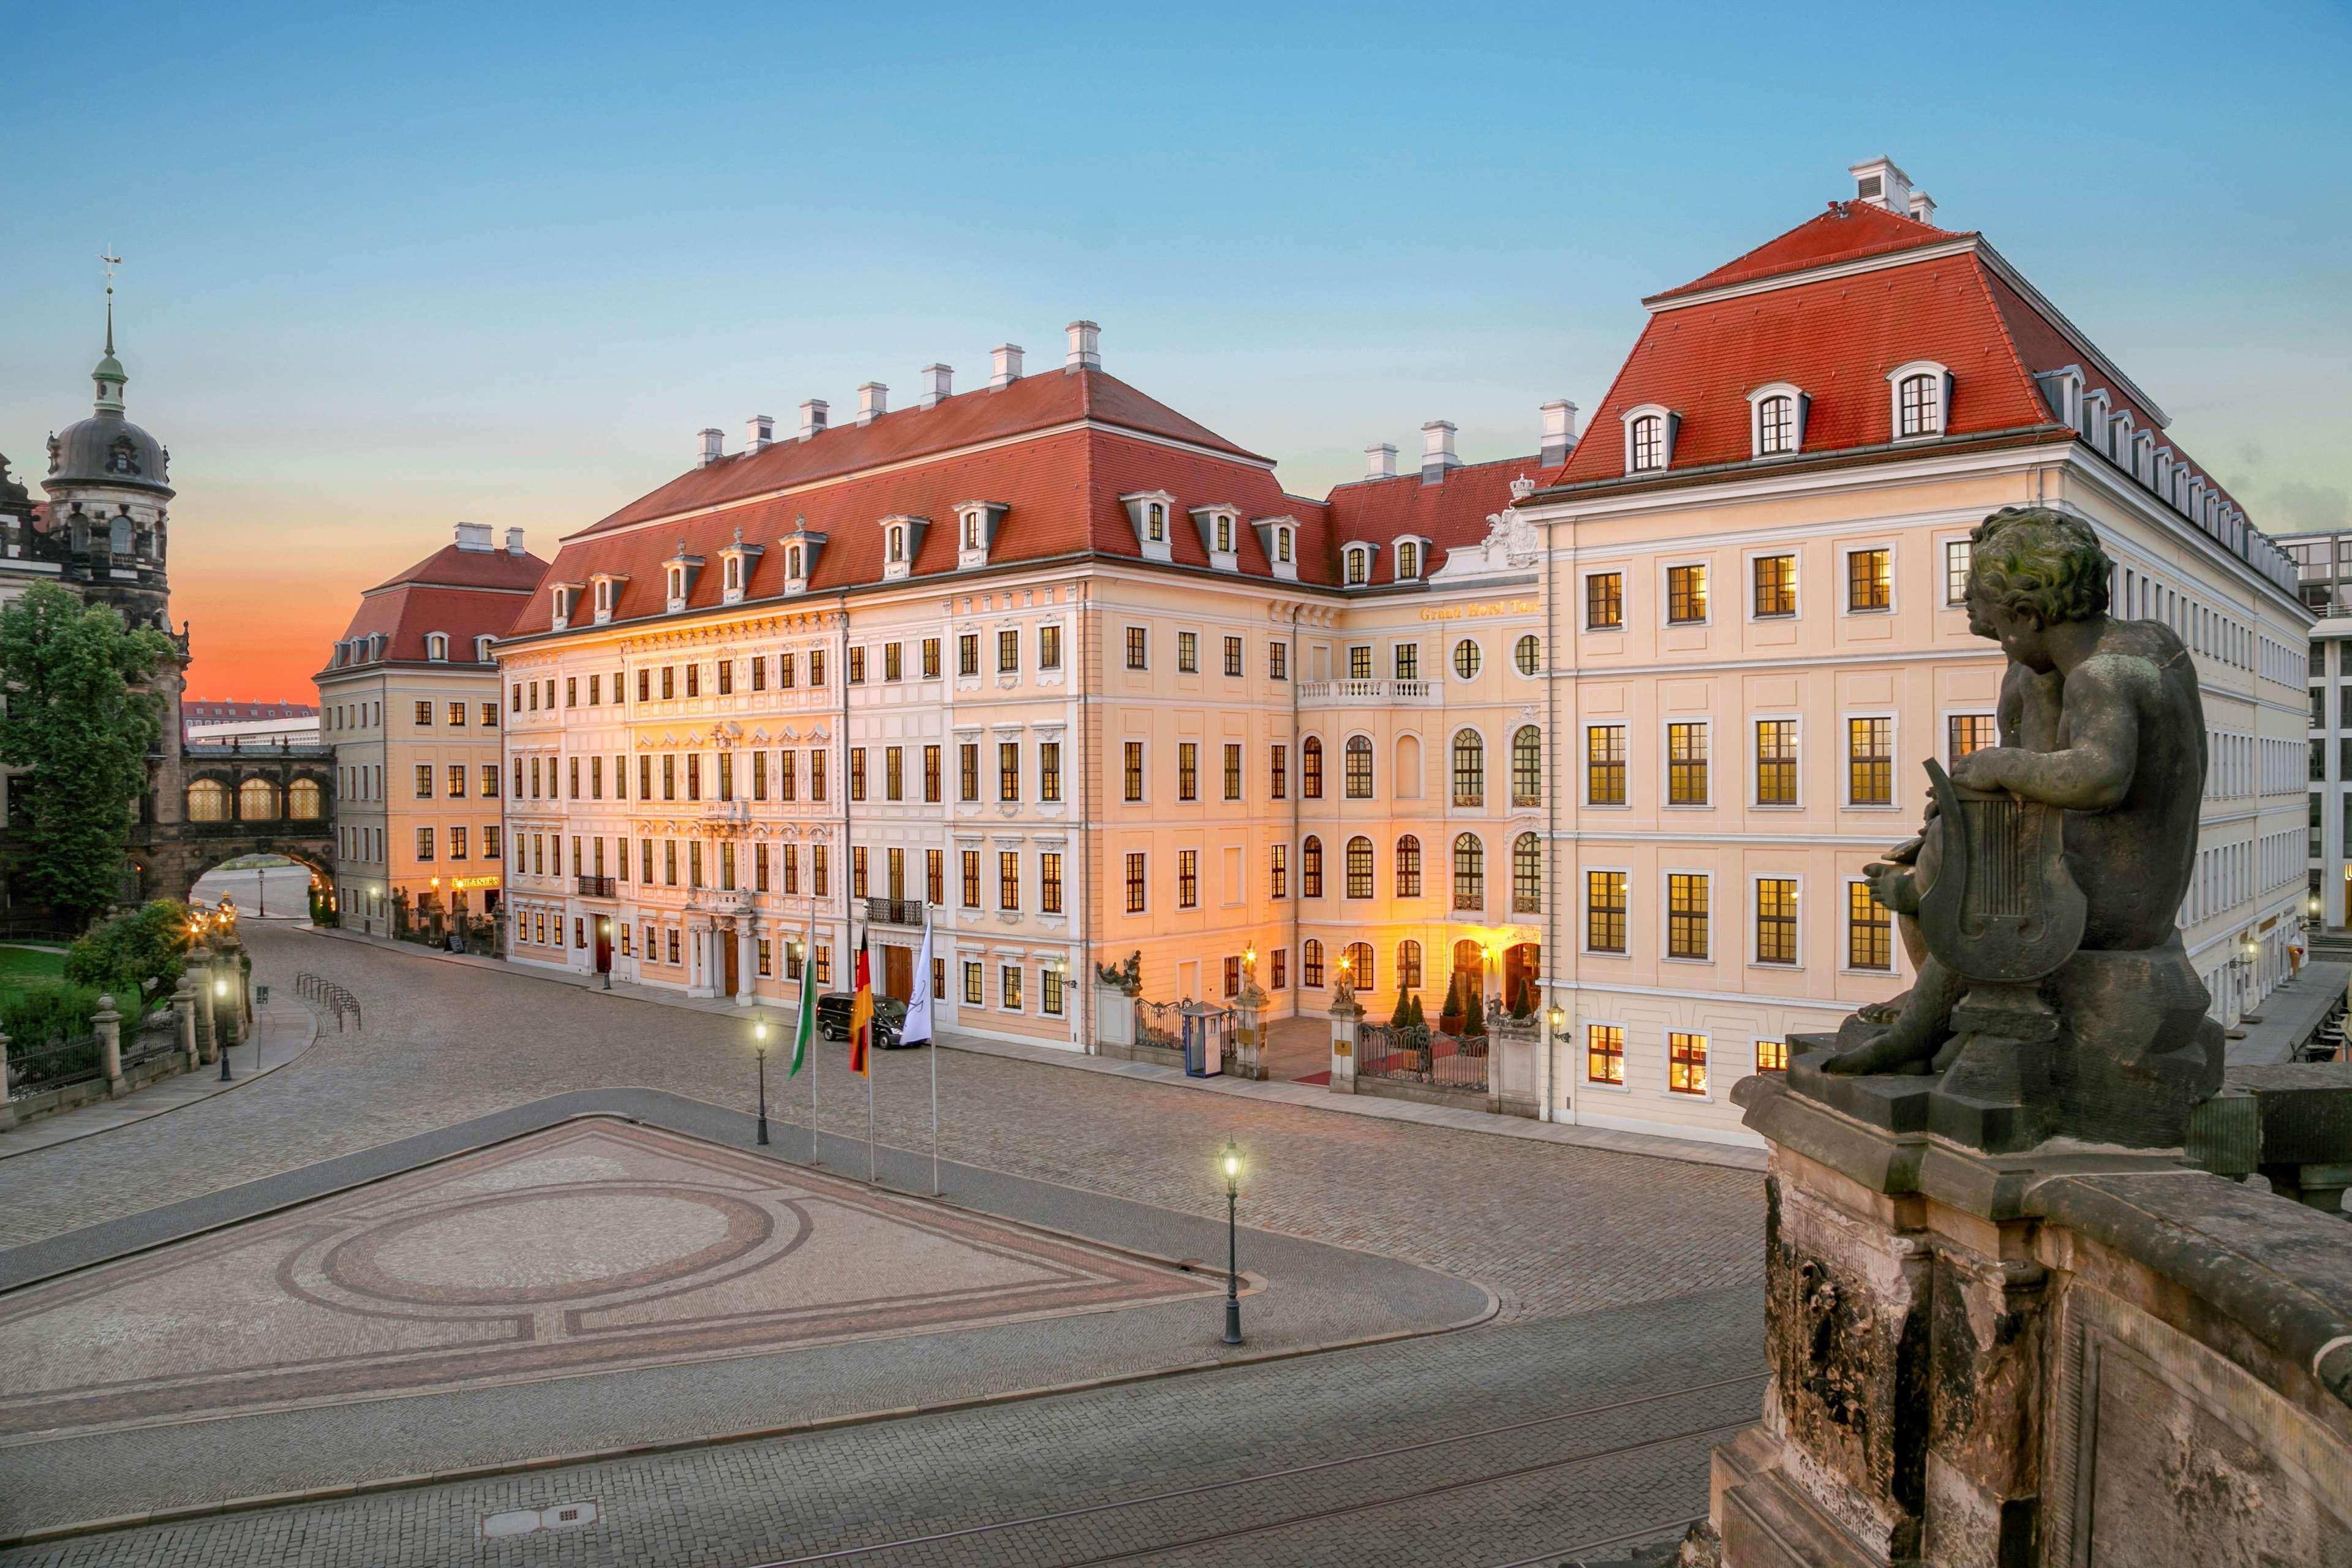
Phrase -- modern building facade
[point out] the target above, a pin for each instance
(409, 703)
(2324, 568)
(1754, 569)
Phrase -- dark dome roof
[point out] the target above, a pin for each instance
(107, 449)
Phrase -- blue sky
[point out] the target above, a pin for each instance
(390, 268)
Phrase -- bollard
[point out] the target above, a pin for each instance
(109, 1025)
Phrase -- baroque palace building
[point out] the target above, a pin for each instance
(1059, 670)
(409, 700)
(1613, 726)
(1754, 568)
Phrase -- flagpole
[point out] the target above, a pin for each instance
(931, 1045)
(870, 1179)
(808, 1000)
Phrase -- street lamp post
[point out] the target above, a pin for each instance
(1233, 1166)
(760, 1034)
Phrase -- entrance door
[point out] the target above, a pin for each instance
(726, 941)
(1469, 971)
(603, 945)
(899, 973)
(1522, 970)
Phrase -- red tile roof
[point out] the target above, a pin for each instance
(1849, 231)
(1449, 514)
(464, 594)
(1836, 339)
(1031, 404)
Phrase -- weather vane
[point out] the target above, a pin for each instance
(112, 262)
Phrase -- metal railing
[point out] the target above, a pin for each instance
(1417, 1054)
(146, 1044)
(597, 887)
(327, 995)
(1159, 1023)
(37, 1068)
(897, 911)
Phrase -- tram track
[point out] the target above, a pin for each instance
(879, 1550)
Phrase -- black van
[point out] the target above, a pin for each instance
(832, 1010)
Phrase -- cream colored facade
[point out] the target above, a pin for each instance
(1836, 672)
(417, 796)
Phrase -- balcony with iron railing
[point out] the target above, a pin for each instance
(1385, 693)
(598, 887)
(897, 912)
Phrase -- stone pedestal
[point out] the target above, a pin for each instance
(184, 1011)
(1346, 1017)
(1908, 1323)
(109, 1025)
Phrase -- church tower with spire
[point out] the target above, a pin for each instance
(108, 486)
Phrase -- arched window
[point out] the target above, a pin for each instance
(117, 535)
(1527, 654)
(1359, 767)
(1469, 873)
(1776, 425)
(792, 562)
(1407, 965)
(1360, 867)
(1355, 966)
(1360, 566)
(1408, 558)
(1310, 965)
(256, 801)
(1408, 867)
(1405, 783)
(1469, 768)
(1919, 405)
(305, 801)
(207, 801)
(436, 647)
(1310, 768)
(1526, 875)
(1649, 443)
(897, 544)
(1310, 866)
(1526, 766)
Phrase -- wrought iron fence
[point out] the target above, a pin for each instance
(1418, 1054)
(1159, 1023)
(35, 1068)
(146, 1044)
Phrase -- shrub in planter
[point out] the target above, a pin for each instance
(1416, 1020)
(1449, 1016)
(1473, 1023)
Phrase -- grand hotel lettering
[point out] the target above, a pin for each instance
(1477, 612)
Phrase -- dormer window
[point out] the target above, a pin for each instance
(1283, 547)
(1650, 438)
(1358, 565)
(1922, 392)
(1148, 512)
(737, 561)
(436, 646)
(734, 574)
(605, 595)
(792, 567)
(976, 525)
(482, 649)
(1278, 537)
(1156, 523)
(1408, 559)
(895, 543)
(1218, 528)
(564, 602)
(1776, 421)
(675, 592)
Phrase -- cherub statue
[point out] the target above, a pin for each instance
(2099, 716)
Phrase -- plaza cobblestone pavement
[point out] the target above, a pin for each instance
(1621, 1277)
(1550, 1229)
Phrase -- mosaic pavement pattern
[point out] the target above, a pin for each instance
(589, 1247)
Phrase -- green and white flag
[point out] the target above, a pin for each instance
(805, 1030)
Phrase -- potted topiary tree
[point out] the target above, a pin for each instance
(1473, 1023)
(1449, 1016)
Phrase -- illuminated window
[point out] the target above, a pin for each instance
(1526, 766)
(1604, 601)
(1408, 867)
(1966, 732)
(1869, 580)
(1686, 1063)
(1469, 768)
(1958, 553)
(1526, 875)
(1870, 761)
(1359, 767)
(1360, 867)
(1604, 912)
(1771, 1055)
(1686, 915)
(1408, 961)
(1310, 867)
(1776, 920)
(1869, 939)
(1686, 594)
(1776, 762)
(1310, 769)
(1687, 781)
(1604, 1053)
(1469, 872)
(1604, 764)
(1776, 586)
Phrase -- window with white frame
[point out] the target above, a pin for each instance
(436, 647)
(1920, 391)
(1776, 422)
(1359, 566)
(1408, 560)
(1649, 438)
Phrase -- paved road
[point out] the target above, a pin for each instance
(1550, 1230)
(1624, 1278)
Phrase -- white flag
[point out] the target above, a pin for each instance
(916, 1030)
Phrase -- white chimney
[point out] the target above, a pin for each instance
(1086, 353)
(1923, 206)
(1558, 432)
(1006, 357)
(761, 433)
(1438, 450)
(473, 536)
(813, 416)
(1880, 184)
(938, 386)
(873, 401)
(514, 541)
(714, 443)
(1380, 460)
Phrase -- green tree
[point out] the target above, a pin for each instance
(79, 726)
(132, 950)
(1473, 1023)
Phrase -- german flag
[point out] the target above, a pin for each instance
(861, 1016)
